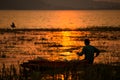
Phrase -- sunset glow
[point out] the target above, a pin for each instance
(63, 19)
(59, 39)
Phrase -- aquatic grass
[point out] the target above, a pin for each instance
(79, 72)
(98, 72)
(12, 72)
(89, 72)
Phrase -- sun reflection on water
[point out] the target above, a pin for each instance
(69, 41)
(66, 39)
(58, 45)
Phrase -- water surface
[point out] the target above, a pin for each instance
(59, 18)
(58, 45)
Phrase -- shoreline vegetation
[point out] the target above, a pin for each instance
(104, 28)
(89, 72)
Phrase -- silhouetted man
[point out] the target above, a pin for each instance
(89, 51)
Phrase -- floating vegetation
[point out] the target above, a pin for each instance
(99, 28)
(93, 28)
(55, 45)
(3, 56)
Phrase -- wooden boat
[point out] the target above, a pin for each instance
(50, 65)
(52, 68)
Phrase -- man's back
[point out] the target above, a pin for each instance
(89, 51)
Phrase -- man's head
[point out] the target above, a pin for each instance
(87, 41)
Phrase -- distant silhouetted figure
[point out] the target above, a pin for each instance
(13, 25)
(88, 51)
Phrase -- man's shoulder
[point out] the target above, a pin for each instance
(89, 47)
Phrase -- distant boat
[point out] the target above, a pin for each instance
(13, 25)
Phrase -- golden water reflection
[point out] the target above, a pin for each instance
(66, 40)
(70, 41)
(58, 45)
